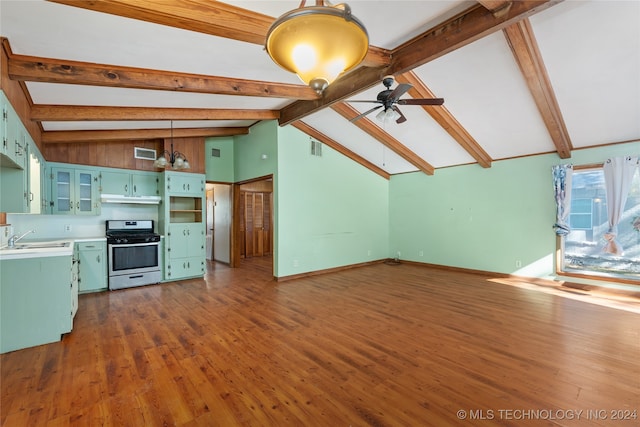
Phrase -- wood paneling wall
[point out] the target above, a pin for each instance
(119, 154)
(114, 154)
(192, 148)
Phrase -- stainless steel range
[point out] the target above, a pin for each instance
(134, 253)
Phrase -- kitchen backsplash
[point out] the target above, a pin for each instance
(78, 226)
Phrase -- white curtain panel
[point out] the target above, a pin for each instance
(618, 174)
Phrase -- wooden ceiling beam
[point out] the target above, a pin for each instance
(497, 7)
(314, 133)
(527, 54)
(204, 16)
(348, 112)
(445, 119)
(48, 70)
(61, 113)
(60, 137)
(461, 30)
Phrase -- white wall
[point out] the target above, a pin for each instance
(54, 226)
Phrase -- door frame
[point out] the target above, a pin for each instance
(235, 222)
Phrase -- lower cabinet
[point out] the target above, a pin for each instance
(92, 260)
(37, 304)
(184, 253)
(182, 268)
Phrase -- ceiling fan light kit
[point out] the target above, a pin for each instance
(318, 43)
(389, 99)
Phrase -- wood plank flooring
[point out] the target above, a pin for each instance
(374, 346)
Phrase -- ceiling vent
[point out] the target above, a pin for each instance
(144, 153)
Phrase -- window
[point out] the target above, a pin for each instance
(582, 249)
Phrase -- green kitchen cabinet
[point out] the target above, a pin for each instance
(186, 254)
(180, 183)
(92, 266)
(74, 191)
(20, 165)
(127, 183)
(12, 148)
(38, 301)
(182, 221)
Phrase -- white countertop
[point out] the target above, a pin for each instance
(7, 253)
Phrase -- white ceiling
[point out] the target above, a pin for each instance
(591, 50)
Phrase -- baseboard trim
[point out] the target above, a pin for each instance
(326, 271)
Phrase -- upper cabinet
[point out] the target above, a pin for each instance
(74, 191)
(129, 183)
(181, 183)
(21, 165)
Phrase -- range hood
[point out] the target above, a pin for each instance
(139, 200)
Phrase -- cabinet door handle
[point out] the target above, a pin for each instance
(126, 188)
(98, 258)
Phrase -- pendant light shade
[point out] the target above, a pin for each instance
(318, 43)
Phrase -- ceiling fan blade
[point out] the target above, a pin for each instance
(365, 113)
(400, 90)
(424, 101)
(362, 100)
(402, 118)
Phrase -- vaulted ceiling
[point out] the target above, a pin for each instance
(518, 77)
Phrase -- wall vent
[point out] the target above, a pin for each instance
(215, 152)
(144, 153)
(316, 148)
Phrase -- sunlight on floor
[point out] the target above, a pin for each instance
(600, 296)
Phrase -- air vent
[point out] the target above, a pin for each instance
(215, 152)
(316, 148)
(144, 153)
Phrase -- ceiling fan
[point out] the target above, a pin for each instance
(390, 99)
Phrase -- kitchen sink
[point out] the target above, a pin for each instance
(41, 245)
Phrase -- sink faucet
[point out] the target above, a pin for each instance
(15, 238)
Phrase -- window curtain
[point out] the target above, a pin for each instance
(562, 185)
(618, 174)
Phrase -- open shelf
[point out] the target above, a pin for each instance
(185, 209)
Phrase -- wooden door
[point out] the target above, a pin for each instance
(255, 223)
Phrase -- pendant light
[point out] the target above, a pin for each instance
(318, 43)
(176, 159)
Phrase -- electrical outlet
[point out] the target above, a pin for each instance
(67, 227)
(518, 263)
(295, 262)
(369, 252)
(420, 253)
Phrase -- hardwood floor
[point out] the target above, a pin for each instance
(379, 345)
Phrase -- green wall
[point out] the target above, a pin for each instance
(250, 149)
(485, 219)
(331, 211)
(219, 169)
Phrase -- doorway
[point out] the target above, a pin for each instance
(219, 217)
(253, 222)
